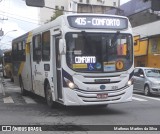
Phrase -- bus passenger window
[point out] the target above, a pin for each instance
(14, 52)
(46, 46)
(37, 48)
(23, 51)
(19, 53)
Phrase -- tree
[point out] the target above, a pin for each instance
(55, 15)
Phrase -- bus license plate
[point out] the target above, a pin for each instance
(102, 96)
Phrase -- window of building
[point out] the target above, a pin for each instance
(46, 46)
(62, 7)
(87, 1)
(37, 48)
(80, 0)
(56, 7)
(114, 4)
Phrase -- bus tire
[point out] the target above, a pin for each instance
(48, 95)
(23, 91)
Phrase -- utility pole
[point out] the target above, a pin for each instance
(1, 32)
(3, 19)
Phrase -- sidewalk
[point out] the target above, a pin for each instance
(1, 86)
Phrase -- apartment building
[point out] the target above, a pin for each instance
(76, 6)
(145, 22)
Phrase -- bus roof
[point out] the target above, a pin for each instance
(58, 21)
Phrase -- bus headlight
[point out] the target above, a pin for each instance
(129, 83)
(70, 84)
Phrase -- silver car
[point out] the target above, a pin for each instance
(146, 80)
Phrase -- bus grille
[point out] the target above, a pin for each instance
(92, 96)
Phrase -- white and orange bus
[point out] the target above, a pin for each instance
(77, 59)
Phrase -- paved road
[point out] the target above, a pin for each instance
(16, 109)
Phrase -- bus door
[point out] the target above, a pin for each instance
(58, 70)
(28, 80)
(37, 66)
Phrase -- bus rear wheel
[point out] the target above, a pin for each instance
(23, 91)
(48, 96)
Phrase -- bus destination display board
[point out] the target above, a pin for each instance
(98, 22)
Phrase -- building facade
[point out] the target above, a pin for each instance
(145, 23)
(75, 6)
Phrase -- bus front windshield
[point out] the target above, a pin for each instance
(99, 52)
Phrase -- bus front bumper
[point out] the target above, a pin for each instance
(82, 98)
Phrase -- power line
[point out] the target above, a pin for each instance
(20, 19)
(7, 36)
(3, 19)
(18, 15)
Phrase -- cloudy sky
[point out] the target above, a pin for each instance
(123, 1)
(19, 17)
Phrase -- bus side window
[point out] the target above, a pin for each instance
(37, 48)
(23, 51)
(19, 51)
(46, 46)
(14, 52)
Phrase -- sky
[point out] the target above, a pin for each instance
(19, 17)
(123, 1)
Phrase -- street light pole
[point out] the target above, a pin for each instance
(7, 33)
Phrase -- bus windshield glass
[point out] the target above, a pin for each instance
(99, 52)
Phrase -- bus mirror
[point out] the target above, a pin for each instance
(35, 3)
(62, 46)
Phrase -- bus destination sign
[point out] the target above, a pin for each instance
(98, 22)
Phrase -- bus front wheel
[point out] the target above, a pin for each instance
(48, 94)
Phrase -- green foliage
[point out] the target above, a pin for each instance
(56, 14)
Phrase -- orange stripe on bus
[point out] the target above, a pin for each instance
(21, 68)
(28, 42)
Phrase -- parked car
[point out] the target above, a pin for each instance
(146, 80)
